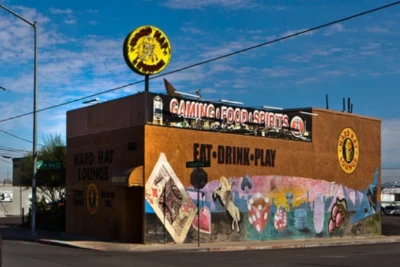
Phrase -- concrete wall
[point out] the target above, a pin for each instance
(278, 188)
(14, 207)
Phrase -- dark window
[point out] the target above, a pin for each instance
(396, 197)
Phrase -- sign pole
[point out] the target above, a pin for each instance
(198, 209)
(198, 183)
(146, 83)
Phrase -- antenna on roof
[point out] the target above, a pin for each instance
(348, 105)
(326, 101)
(198, 92)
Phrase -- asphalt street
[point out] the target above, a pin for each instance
(22, 254)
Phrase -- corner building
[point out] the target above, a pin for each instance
(297, 173)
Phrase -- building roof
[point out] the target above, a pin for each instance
(391, 190)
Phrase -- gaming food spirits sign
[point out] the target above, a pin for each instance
(204, 115)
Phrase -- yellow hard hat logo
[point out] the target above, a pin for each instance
(92, 199)
(147, 50)
(348, 150)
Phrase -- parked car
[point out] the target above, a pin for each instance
(396, 211)
(391, 210)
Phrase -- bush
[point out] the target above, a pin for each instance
(48, 218)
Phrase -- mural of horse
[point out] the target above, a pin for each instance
(224, 192)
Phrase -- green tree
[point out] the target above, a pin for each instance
(51, 183)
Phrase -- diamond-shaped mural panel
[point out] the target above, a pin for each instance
(169, 199)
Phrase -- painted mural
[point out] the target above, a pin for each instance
(246, 208)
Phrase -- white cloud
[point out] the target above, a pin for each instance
(30, 14)
(390, 142)
(307, 80)
(191, 30)
(334, 29)
(200, 4)
(227, 48)
(209, 91)
(371, 46)
(278, 8)
(16, 38)
(93, 11)
(334, 73)
(57, 11)
(278, 72)
(377, 29)
(325, 51)
(70, 21)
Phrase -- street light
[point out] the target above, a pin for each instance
(34, 152)
(308, 113)
(186, 94)
(91, 101)
(231, 102)
(271, 107)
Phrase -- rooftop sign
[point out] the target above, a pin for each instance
(219, 117)
(147, 50)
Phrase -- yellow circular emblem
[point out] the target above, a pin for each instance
(348, 150)
(147, 50)
(92, 199)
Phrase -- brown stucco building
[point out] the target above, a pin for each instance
(296, 173)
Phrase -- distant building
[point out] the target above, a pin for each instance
(16, 177)
(390, 196)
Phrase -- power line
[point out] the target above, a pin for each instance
(20, 138)
(213, 59)
(6, 161)
(12, 148)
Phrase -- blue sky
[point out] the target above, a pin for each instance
(80, 53)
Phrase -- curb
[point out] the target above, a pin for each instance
(143, 249)
(60, 243)
(294, 246)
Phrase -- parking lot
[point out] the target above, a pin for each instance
(390, 225)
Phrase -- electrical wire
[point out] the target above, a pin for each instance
(213, 59)
(13, 149)
(6, 161)
(20, 138)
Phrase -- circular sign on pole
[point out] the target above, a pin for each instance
(198, 178)
(147, 50)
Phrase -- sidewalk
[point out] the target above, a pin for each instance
(68, 240)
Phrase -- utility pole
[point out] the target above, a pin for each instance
(34, 150)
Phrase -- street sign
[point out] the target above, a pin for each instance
(48, 165)
(198, 178)
(198, 164)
